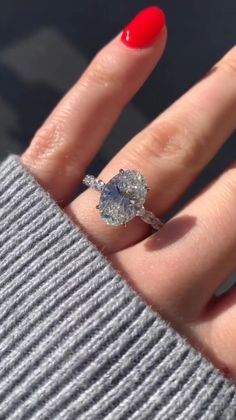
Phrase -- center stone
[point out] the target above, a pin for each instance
(122, 196)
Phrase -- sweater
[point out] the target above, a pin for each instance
(76, 341)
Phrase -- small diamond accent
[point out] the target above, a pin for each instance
(122, 197)
(94, 183)
(148, 217)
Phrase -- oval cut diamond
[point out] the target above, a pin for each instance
(122, 197)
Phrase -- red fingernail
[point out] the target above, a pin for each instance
(144, 29)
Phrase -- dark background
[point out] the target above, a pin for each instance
(45, 45)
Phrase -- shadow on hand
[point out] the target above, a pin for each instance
(171, 232)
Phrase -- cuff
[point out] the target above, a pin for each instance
(75, 340)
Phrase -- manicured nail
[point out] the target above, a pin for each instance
(144, 29)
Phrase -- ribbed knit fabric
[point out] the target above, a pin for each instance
(75, 341)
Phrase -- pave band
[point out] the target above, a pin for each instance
(122, 198)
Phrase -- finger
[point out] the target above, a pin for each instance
(73, 133)
(170, 152)
(191, 256)
(215, 333)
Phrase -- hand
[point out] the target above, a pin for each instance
(178, 269)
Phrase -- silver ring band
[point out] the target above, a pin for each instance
(122, 198)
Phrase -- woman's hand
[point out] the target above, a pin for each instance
(179, 268)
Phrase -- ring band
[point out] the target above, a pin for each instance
(122, 198)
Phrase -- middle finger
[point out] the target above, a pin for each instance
(170, 153)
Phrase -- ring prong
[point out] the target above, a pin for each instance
(121, 171)
(148, 188)
(98, 207)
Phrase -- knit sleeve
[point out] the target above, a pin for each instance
(76, 342)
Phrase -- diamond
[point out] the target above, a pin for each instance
(122, 197)
(92, 182)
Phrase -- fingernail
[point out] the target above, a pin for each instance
(144, 29)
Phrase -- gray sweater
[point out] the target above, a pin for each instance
(76, 342)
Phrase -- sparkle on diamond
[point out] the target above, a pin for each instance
(122, 196)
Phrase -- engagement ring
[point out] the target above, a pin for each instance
(123, 198)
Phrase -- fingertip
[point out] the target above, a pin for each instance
(145, 28)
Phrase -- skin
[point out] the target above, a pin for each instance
(178, 269)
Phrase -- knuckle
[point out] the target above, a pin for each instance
(101, 71)
(175, 142)
(158, 142)
(47, 139)
(228, 62)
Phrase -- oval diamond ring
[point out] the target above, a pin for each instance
(123, 198)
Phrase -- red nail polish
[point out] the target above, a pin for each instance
(144, 29)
